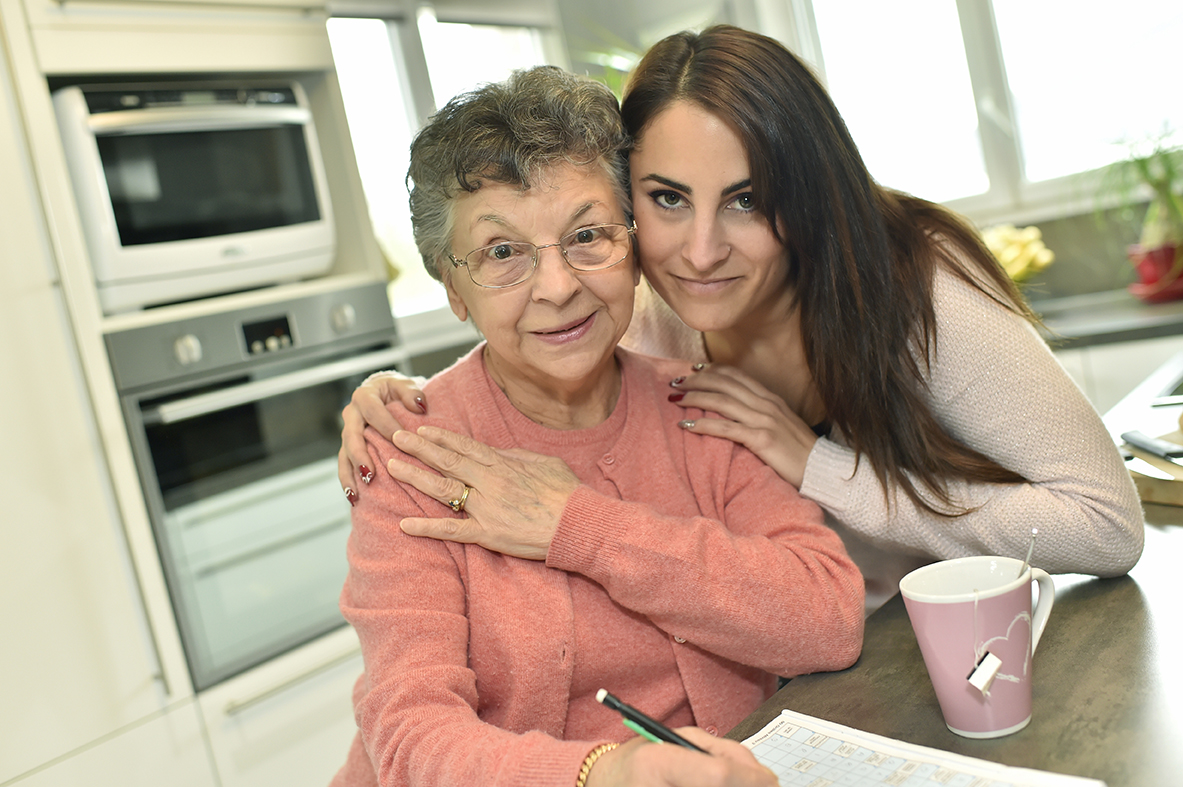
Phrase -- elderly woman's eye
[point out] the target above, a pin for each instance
(501, 251)
(589, 235)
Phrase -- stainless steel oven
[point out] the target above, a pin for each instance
(234, 421)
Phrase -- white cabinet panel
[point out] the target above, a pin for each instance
(77, 661)
(1107, 372)
(289, 722)
(166, 750)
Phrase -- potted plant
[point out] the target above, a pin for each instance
(1154, 167)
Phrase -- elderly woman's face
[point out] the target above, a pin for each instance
(560, 326)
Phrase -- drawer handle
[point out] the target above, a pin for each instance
(236, 706)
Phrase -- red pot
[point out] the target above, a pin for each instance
(1156, 283)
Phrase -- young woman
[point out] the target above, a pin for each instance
(582, 540)
(860, 341)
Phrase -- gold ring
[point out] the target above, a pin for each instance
(457, 504)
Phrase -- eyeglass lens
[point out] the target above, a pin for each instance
(511, 262)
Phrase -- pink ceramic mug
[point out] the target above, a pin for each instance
(964, 609)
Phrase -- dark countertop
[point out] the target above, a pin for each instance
(1105, 317)
(1108, 691)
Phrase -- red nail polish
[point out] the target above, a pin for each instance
(419, 400)
(351, 496)
(676, 397)
(367, 475)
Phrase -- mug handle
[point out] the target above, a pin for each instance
(1043, 608)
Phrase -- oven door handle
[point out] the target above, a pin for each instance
(166, 119)
(215, 401)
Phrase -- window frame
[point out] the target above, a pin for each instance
(1010, 197)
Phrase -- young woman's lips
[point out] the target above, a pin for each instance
(568, 333)
(704, 286)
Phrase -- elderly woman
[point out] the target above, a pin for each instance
(589, 541)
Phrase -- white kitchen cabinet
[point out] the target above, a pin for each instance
(289, 722)
(77, 662)
(98, 36)
(167, 749)
(1107, 372)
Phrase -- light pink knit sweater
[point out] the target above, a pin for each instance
(711, 579)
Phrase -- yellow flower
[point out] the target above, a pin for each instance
(1020, 251)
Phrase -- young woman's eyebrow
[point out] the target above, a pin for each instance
(738, 185)
(673, 184)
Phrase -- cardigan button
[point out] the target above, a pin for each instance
(609, 459)
(680, 640)
(713, 731)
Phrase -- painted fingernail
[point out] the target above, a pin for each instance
(367, 475)
(676, 397)
(698, 367)
(677, 381)
(351, 496)
(422, 404)
(686, 424)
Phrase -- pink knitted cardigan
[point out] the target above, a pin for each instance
(469, 654)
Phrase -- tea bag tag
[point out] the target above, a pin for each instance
(984, 673)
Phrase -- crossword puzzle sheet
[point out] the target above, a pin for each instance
(807, 752)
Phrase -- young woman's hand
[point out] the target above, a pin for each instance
(753, 416)
(515, 497)
(368, 406)
(640, 763)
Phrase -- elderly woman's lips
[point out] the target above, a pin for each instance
(569, 332)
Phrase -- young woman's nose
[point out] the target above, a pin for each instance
(706, 244)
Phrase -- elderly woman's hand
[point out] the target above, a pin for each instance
(639, 762)
(515, 497)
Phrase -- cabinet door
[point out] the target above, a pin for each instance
(166, 750)
(288, 722)
(77, 662)
(103, 37)
(1107, 372)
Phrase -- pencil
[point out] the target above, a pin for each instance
(643, 725)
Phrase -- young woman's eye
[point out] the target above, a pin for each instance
(667, 199)
(744, 202)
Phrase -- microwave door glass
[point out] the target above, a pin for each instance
(201, 184)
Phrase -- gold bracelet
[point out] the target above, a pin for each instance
(585, 769)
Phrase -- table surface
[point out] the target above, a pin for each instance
(1107, 697)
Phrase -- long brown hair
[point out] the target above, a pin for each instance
(861, 257)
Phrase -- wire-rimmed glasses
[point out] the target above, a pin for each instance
(507, 263)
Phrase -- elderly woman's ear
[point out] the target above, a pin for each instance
(459, 307)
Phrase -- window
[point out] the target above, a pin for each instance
(997, 105)
(378, 72)
(901, 82)
(456, 53)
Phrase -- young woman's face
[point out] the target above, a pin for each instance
(560, 327)
(703, 246)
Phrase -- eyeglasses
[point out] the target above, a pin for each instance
(508, 263)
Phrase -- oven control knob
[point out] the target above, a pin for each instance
(343, 317)
(187, 349)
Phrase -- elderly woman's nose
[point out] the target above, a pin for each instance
(554, 280)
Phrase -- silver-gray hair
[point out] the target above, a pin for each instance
(510, 132)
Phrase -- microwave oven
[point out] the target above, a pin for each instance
(187, 190)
